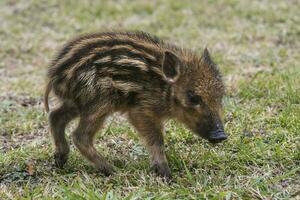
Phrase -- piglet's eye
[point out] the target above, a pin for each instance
(193, 98)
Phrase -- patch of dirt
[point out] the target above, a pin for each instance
(10, 142)
(11, 102)
(23, 100)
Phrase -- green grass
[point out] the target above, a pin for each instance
(255, 43)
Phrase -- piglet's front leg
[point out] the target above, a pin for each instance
(149, 128)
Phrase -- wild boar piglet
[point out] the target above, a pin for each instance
(135, 73)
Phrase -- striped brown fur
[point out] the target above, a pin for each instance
(97, 74)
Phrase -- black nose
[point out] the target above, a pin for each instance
(217, 136)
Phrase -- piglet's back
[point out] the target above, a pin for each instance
(107, 65)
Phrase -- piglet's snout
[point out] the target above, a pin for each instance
(217, 136)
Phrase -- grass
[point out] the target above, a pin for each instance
(255, 43)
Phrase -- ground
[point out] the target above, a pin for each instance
(256, 45)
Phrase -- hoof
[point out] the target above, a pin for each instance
(60, 159)
(162, 170)
(107, 170)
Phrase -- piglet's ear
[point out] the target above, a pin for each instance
(170, 67)
(206, 57)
